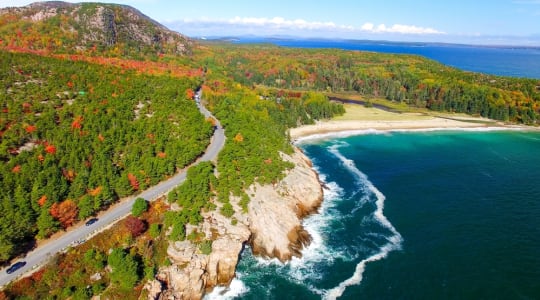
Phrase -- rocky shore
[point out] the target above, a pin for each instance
(272, 227)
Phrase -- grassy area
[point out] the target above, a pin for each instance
(395, 111)
(360, 112)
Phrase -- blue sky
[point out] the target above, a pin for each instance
(510, 22)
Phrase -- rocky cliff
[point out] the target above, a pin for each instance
(116, 30)
(272, 227)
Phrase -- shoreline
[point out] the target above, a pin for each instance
(344, 128)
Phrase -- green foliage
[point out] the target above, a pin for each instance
(123, 31)
(414, 80)
(154, 230)
(206, 247)
(244, 201)
(58, 143)
(177, 221)
(139, 207)
(124, 269)
(227, 210)
(193, 196)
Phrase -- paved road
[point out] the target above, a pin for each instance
(42, 254)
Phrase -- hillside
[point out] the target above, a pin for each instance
(409, 79)
(88, 28)
(75, 137)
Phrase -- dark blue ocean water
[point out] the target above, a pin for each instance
(504, 61)
(415, 215)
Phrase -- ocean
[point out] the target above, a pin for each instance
(414, 215)
(501, 60)
(432, 214)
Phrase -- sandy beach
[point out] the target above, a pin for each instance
(359, 118)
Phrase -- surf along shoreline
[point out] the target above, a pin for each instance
(374, 119)
(361, 119)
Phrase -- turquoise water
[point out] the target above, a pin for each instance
(415, 215)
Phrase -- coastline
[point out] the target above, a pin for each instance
(372, 120)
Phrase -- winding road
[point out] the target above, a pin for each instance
(80, 233)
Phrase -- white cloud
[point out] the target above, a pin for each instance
(281, 24)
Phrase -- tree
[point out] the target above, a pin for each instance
(65, 212)
(124, 269)
(140, 206)
(154, 230)
(135, 226)
(46, 224)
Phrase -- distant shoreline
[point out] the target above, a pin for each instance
(373, 120)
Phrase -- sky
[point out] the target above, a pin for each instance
(495, 22)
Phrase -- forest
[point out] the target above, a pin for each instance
(75, 137)
(79, 131)
(415, 80)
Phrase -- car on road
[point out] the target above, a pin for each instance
(14, 267)
(91, 221)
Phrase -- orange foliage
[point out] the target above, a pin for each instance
(100, 137)
(133, 181)
(41, 158)
(41, 201)
(238, 138)
(65, 212)
(68, 174)
(161, 154)
(30, 128)
(211, 121)
(190, 94)
(96, 191)
(16, 169)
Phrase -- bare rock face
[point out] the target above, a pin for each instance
(275, 212)
(272, 226)
(192, 272)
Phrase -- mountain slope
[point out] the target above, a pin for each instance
(89, 28)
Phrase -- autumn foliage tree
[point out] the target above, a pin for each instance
(65, 212)
(135, 226)
(133, 181)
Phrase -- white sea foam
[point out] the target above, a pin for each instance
(317, 251)
(314, 138)
(393, 242)
(236, 289)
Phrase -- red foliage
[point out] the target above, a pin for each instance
(133, 181)
(70, 84)
(65, 212)
(21, 286)
(16, 169)
(135, 226)
(37, 276)
(77, 123)
(30, 128)
(51, 149)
